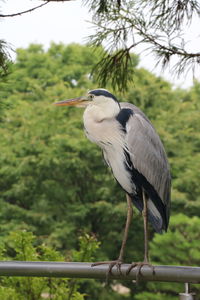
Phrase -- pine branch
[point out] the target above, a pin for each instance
(24, 12)
(170, 50)
(101, 7)
(172, 14)
(4, 58)
(110, 68)
(156, 24)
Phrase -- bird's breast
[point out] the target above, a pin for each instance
(115, 158)
(109, 135)
(104, 132)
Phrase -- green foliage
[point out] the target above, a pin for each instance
(123, 25)
(179, 247)
(88, 246)
(175, 115)
(23, 246)
(185, 250)
(53, 181)
(181, 136)
(121, 63)
(4, 59)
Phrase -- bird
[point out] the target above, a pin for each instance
(132, 149)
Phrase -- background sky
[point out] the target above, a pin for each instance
(68, 22)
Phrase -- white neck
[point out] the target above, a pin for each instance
(100, 124)
(102, 109)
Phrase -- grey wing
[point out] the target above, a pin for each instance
(147, 154)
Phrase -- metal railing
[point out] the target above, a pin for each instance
(85, 270)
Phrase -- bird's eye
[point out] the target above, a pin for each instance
(91, 97)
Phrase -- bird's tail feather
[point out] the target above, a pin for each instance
(154, 216)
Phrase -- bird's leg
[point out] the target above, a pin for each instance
(119, 261)
(126, 230)
(145, 220)
(146, 248)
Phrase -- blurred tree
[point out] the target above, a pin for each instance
(179, 247)
(160, 26)
(53, 181)
(23, 246)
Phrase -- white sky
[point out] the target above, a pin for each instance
(57, 21)
(66, 22)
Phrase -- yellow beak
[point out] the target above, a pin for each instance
(80, 102)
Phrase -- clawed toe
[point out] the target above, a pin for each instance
(139, 266)
(111, 264)
(118, 264)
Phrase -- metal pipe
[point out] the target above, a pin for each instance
(85, 270)
(187, 295)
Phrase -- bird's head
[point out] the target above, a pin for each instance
(94, 97)
(100, 104)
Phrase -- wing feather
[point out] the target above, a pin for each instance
(147, 153)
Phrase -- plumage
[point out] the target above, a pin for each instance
(149, 159)
(134, 151)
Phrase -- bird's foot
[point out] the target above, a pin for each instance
(139, 266)
(110, 264)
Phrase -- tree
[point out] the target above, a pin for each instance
(53, 182)
(24, 246)
(124, 25)
(179, 247)
(158, 25)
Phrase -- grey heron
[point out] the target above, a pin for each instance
(134, 152)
